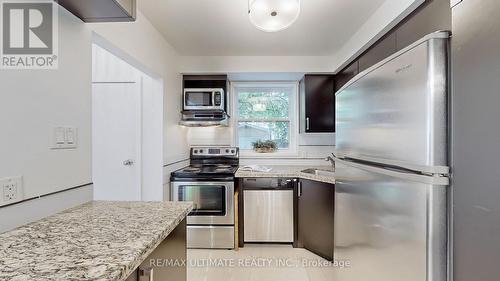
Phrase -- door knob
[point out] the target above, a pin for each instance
(128, 162)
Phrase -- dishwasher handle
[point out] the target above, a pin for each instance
(268, 183)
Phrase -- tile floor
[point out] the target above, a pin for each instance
(258, 263)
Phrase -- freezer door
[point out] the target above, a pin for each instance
(396, 111)
(388, 225)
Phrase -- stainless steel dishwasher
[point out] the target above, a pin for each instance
(268, 210)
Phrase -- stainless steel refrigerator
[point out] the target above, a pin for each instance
(392, 174)
(476, 140)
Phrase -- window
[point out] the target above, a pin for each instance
(266, 111)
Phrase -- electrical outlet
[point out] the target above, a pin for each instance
(11, 189)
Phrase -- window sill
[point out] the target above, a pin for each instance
(277, 154)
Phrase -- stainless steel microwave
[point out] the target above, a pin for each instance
(204, 99)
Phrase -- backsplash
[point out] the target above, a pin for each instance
(312, 148)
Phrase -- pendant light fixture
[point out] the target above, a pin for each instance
(273, 15)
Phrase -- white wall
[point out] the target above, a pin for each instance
(115, 71)
(307, 154)
(261, 67)
(29, 211)
(143, 43)
(32, 102)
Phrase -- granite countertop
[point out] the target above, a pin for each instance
(99, 240)
(289, 172)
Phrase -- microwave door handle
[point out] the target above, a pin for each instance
(213, 98)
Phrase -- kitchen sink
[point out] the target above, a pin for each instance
(319, 172)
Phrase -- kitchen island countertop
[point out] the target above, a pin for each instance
(99, 240)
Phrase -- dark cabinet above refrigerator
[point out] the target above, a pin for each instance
(102, 10)
(317, 101)
(431, 16)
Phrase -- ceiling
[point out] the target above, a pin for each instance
(222, 27)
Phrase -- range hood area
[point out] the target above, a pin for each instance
(205, 101)
(193, 118)
(102, 10)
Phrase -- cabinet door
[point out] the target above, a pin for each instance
(320, 103)
(102, 10)
(315, 217)
(430, 17)
(346, 74)
(380, 51)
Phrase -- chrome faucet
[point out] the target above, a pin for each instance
(331, 159)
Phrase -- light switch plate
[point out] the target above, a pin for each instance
(11, 190)
(71, 138)
(59, 137)
(64, 138)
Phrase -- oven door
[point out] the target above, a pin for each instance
(203, 99)
(213, 201)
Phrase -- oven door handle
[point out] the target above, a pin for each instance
(222, 183)
(226, 219)
(174, 190)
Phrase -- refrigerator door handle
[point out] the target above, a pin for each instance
(434, 180)
(441, 170)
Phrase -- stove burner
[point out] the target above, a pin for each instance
(213, 163)
(192, 169)
(222, 169)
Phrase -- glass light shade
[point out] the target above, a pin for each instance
(273, 15)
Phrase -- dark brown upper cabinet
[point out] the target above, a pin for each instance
(317, 92)
(381, 50)
(102, 10)
(432, 16)
(346, 74)
(205, 81)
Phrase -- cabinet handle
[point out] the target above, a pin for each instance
(307, 123)
(299, 191)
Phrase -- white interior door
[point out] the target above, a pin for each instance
(116, 141)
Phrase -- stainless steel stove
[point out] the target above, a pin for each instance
(204, 171)
(209, 183)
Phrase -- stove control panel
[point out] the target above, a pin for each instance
(214, 151)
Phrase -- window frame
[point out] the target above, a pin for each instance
(293, 117)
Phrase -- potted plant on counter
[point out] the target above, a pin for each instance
(267, 146)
